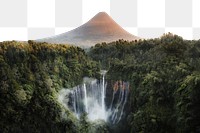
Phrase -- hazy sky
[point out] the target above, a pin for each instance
(145, 18)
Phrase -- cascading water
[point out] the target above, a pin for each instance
(122, 88)
(85, 98)
(103, 95)
(90, 98)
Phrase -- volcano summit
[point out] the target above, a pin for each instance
(101, 28)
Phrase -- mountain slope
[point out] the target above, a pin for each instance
(101, 28)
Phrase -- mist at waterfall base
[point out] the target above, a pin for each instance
(90, 96)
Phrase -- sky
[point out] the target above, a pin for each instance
(34, 19)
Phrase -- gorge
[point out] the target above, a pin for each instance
(90, 97)
(150, 86)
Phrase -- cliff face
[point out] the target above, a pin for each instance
(101, 28)
(30, 77)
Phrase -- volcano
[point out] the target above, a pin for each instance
(101, 28)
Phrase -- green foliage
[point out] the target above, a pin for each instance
(92, 127)
(31, 74)
(164, 78)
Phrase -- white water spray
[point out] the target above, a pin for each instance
(85, 98)
(103, 96)
(90, 98)
(118, 110)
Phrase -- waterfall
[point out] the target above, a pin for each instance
(117, 112)
(90, 98)
(103, 96)
(74, 102)
(122, 110)
(85, 98)
(113, 97)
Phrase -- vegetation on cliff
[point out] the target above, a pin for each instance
(31, 74)
(164, 74)
(164, 77)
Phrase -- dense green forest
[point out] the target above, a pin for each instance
(31, 74)
(164, 74)
(164, 77)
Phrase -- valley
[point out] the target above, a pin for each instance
(150, 86)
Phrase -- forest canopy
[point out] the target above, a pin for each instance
(164, 77)
(31, 74)
(165, 81)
